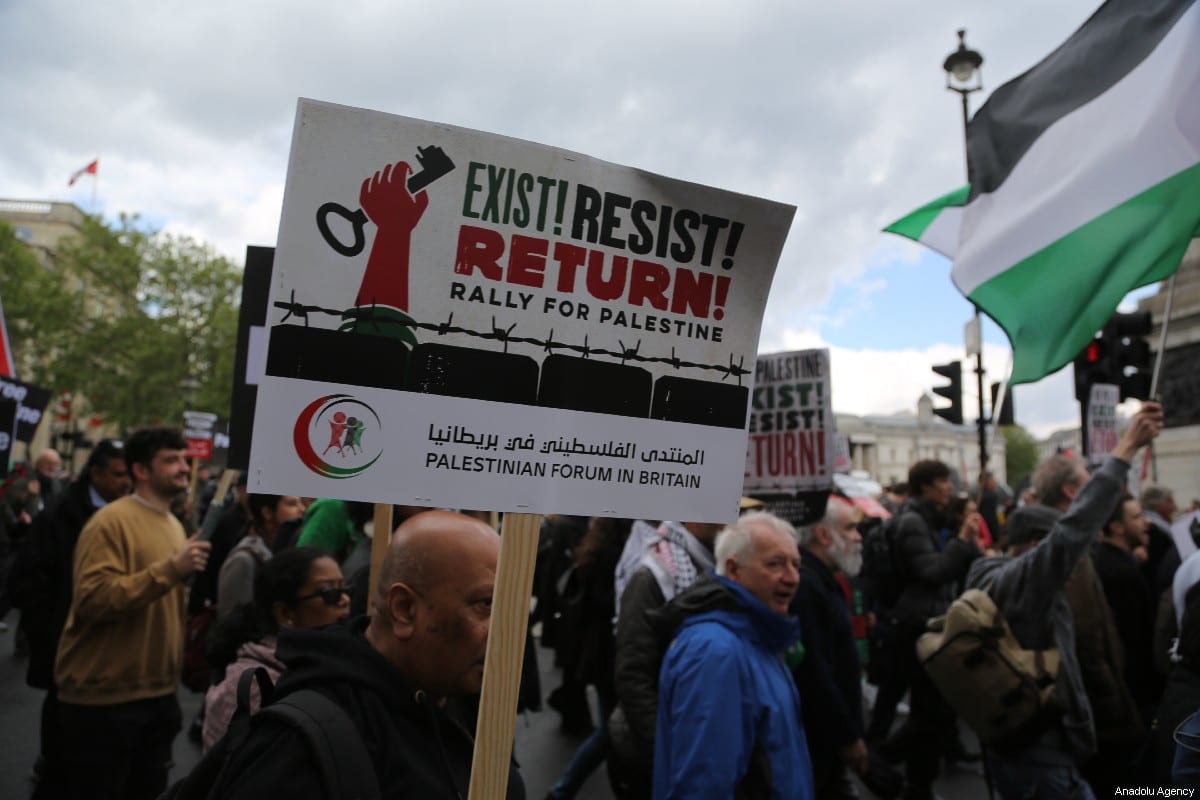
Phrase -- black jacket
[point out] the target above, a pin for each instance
(41, 577)
(644, 631)
(419, 750)
(231, 526)
(829, 677)
(932, 575)
(1133, 611)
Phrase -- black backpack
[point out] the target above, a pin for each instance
(881, 564)
(333, 741)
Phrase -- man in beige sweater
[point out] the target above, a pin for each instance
(121, 653)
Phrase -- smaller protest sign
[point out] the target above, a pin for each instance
(791, 445)
(220, 446)
(1102, 433)
(842, 462)
(198, 430)
(31, 404)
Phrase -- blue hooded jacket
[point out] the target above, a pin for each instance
(725, 693)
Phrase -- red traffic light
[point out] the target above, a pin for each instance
(1091, 353)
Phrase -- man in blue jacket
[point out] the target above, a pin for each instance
(728, 709)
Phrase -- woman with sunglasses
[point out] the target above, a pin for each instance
(300, 587)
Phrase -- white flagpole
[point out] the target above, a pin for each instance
(95, 183)
(999, 404)
(1158, 360)
(1162, 337)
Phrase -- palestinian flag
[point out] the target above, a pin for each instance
(936, 224)
(1084, 181)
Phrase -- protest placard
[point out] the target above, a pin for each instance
(1102, 429)
(842, 460)
(791, 424)
(8, 424)
(198, 431)
(459, 318)
(249, 353)
(31, 404)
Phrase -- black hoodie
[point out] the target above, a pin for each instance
(41, 582)
(419, 750)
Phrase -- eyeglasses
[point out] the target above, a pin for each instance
(331, 596)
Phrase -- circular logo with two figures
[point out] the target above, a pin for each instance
(338, 436)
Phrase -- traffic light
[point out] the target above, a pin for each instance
(1119, 355)
(1130, 353)
(1004, 414)
(954, 412)
(1092, 365)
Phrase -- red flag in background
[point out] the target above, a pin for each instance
(90, 169)
(7, 369)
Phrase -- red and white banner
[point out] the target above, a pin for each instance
(90, 169)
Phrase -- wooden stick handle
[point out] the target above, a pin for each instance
(380, 540)
(505, 652)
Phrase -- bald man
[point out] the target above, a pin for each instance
(47, 465)
(406, 676)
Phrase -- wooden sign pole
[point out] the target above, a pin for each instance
(191, 495)
(223, 483)
(505, 649)
(380, 540)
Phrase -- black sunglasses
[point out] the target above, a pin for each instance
(331, 595)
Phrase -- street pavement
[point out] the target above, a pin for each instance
(541, 748)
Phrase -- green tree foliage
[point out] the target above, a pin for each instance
(1020, 453)
(129, 319)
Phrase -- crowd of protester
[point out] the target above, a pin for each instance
(762, 658)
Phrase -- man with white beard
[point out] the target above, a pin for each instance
(828, 674)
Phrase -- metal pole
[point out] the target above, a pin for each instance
(999, 404)
(1162, 337)
(1158, 360)
(981, 420)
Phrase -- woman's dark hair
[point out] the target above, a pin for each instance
(924, 473)
(603, 542)
(958, 509)
(259, 502)
(276, 580)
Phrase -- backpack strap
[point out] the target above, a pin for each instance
(346, 770)
(265, 689)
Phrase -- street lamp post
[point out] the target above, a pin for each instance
(963, 75)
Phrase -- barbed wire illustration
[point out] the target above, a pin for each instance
(365, 318)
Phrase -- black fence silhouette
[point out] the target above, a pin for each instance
(370, 349)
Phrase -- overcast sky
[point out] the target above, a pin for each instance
(837, 108)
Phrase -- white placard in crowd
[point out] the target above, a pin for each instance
(463, 319)
(842, 460)
(1102, 431)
